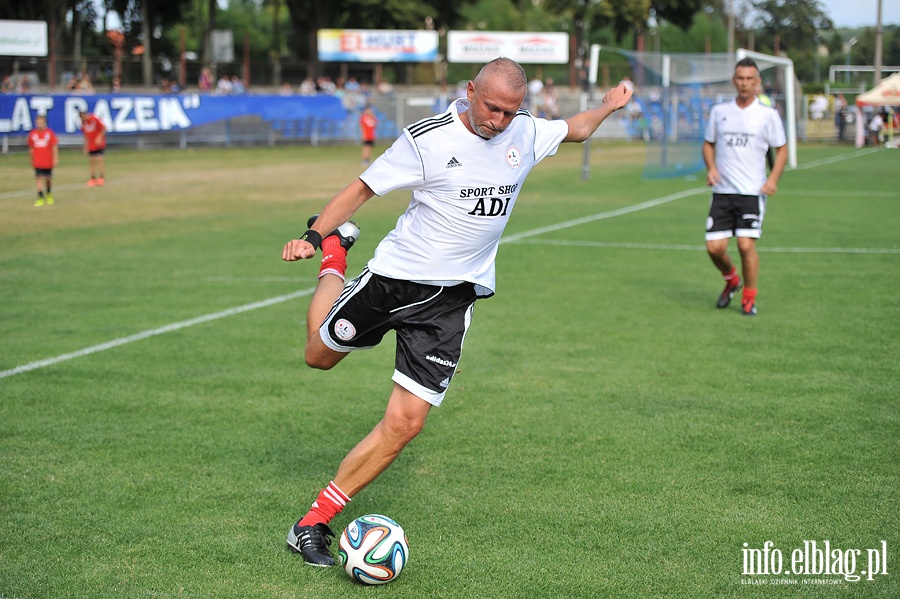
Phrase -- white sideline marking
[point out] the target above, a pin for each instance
(702, 248)
(153, 332)
(837, 158)
(604, 215)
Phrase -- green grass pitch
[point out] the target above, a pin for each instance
(610, 433)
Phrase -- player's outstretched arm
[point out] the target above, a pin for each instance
(336, 213)
(583, 124)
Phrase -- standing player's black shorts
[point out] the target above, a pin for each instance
(735, 215)
(430, 322)
(97, 152)
(46, 173)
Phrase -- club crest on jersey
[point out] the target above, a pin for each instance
(513, 157)
(344, 329)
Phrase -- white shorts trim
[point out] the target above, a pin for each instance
(418, 390)
(716, 235)
(754, 233)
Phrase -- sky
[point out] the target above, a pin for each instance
(861, 13)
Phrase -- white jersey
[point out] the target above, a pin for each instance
(464, 189)
(742, 137)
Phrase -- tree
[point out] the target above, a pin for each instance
(626, 16)
(794, 23)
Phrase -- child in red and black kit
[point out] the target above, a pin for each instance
(94, 145)
(44, 148)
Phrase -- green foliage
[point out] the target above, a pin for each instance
(795, 22)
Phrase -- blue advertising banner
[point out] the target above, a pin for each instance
(125, 114)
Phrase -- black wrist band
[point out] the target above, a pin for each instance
(312, 238)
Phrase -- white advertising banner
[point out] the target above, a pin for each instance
(23, 38)
(377, 45)
(526, 47)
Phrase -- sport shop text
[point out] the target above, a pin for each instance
(815, 559)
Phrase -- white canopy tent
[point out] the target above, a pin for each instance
(886, 93)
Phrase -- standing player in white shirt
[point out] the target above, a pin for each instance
(465, 168)
(738, 136)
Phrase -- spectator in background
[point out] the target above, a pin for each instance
(550, 100)
(237, 85)
(7, 86)
(818, 107)
(308, 87)
(875, 127)
(44, 148)
(74, 82)
(285, 89)
(367, 124)
(94, 133)
(85, 86)
(840, 115)
(352, 86)
(205, 81)
(535, 89)
(224, 86)
(384, 88)
(115, 86)
(23, 86)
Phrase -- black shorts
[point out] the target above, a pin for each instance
(368, 142)
(735, 215)
(97, 152)
(430, 322)
(45, 173)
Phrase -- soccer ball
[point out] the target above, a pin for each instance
(373, 549)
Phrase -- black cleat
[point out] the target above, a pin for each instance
(728, 293)
(312, 542)
(348, 233)
(748, 308)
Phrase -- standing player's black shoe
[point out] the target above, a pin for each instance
(728, 293)
(312, 542)
(348, 233)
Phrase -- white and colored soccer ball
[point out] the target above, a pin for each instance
(373, 549)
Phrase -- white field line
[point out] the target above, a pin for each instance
(603, 215)
(702, 248)
(153, 332)
(837, 158)
(304, 292)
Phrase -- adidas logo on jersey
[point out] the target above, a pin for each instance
(454, 163)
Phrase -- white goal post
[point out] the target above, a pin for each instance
(790, 104)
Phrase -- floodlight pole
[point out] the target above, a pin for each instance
(879, 36)
(790, 108)
(592, 83)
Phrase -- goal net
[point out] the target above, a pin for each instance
(673, 97)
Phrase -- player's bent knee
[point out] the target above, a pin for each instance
(322, 358)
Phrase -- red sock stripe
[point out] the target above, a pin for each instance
(334, 257)
(336, 495)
